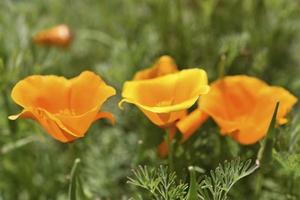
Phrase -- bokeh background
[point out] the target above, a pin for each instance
(116, 38)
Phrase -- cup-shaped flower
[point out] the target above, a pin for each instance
(163, 66)
(65, 108)
(60, 36)
(242, 106)
(164, 99)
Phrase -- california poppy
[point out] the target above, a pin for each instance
(158, 91)
(242, 106)
(165, 99)
(64, 108)
(60, 36)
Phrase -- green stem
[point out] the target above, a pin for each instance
(259, 179)
(291, 184)
(222, 66)
(72, 194)
(139, 156)
(192, 193)
(170, 154)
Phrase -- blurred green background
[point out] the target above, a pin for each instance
(116, 38)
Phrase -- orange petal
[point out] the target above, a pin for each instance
(46, 92)
(56, 131)
(165, 99)
(286, 100)
(189, 124)
(164, 119)
(242, 106)
(163, 66)
(230, 99)
(247, 134)
(68, 103)
(87, 92)
(232, 96)
(254, 126)
(169, 93)
(24, 114)
(77, 124)
(106, 115)
(84, 106)
(47, 123)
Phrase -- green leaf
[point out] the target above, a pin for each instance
(2, 74)
(219, 183)
(193, 188)
(265, 152)
(1, 65)
(159, 183)
(75, 187)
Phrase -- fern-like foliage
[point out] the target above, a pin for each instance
(217, 185)
(159, 183)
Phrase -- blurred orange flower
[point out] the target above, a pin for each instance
(65, 108)
(163, 66)
(165, 99)
(60, 36)
(242, 106)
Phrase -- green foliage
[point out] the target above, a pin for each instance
(161, 184)
(75, 187)
(107, 163)
(265, 152)
(193, 187)
(218, 184)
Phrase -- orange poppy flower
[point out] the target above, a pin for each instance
(163, 66)
(165, 99)
(65, 108)
(242, 106)
(60, 36)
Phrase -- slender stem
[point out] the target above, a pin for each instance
(169, 140)
(139, 152)
(170, 154)
(73, 183)
(259, 179)
(222, 66)
(291, 184)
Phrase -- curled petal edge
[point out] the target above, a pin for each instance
(30, 114)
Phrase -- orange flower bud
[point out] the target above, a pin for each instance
(60, 36)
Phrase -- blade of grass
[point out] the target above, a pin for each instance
(265, 152)
(73, 183)
(192, 193)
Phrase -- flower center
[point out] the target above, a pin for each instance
(66, 112)
(164, 103)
